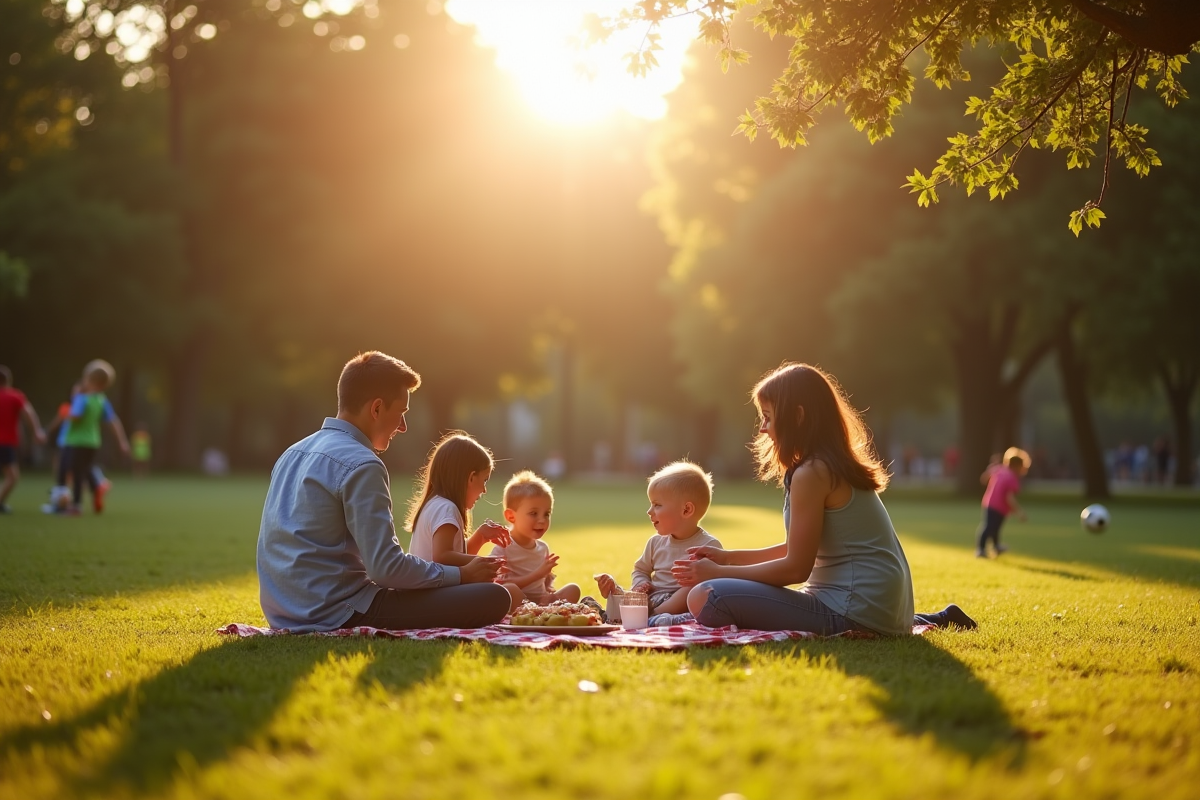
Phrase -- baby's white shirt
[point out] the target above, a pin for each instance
(524, 561)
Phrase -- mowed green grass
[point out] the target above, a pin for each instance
(1083, 680)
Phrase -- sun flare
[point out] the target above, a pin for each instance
(535, 43)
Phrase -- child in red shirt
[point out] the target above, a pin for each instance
(1000, 499)
(12, 405)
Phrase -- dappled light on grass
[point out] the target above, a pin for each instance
(1078, 661)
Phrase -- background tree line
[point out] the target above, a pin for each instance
(231, 223)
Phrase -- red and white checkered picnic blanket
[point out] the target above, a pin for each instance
(676, 637)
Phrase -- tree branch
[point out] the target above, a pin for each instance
(937, 26)
(1168, 26)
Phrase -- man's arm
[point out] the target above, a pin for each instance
(368, 507)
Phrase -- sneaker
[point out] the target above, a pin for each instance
(5, 509)
(50, 508)
(98, 497)
(667, 620)
(949, 617)
(1001, 549)
(980, 554)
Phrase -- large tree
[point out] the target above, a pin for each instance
(1070, 69)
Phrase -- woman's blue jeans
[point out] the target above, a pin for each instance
(750, 604)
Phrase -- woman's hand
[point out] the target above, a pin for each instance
(713, 554)
(493, 532)
(690, 571)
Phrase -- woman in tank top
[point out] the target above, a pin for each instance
(840, 543)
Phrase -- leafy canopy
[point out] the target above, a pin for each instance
(1069, 70)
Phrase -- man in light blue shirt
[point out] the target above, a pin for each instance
(328, 556)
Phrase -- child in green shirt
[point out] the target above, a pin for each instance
(89, 409)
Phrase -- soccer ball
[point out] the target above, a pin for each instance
(1094, 518)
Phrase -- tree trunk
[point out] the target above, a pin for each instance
(127, 401)
(182, 446)
(620, 444)
(235, 443)
(1179, 390)
(1073, 373)
(984, 397)
(1008, 423)
(286, 423)
(708, 427)
(566, 413)
(977, 375)
(443, 399)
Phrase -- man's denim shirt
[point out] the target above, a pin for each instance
(327, 542)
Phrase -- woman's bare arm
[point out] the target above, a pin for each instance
(793, 560)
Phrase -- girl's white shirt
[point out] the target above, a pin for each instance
(437, 512)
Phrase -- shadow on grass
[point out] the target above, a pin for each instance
(198, 713)
(1058, 573)
(918, 687)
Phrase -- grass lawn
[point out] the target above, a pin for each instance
(1083, 680)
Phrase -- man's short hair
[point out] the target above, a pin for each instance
(687, 481)
(525, 485)
(5, 376)
(374, 374)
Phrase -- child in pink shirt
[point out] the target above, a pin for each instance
(1000, 499)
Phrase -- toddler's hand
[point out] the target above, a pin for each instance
(605, 583)
(495, 533)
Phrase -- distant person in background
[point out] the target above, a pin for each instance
(13, 405)
(1162, 458)
(60, 494)
(1000, 499)
(89, 410)
(950, 458)
(139, 450)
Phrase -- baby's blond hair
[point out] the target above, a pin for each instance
(687, 480)
(525, 485)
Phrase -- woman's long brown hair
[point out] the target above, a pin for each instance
(832, 431)
(446, 473)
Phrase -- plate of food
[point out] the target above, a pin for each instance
(570, 630)
(576, 619)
